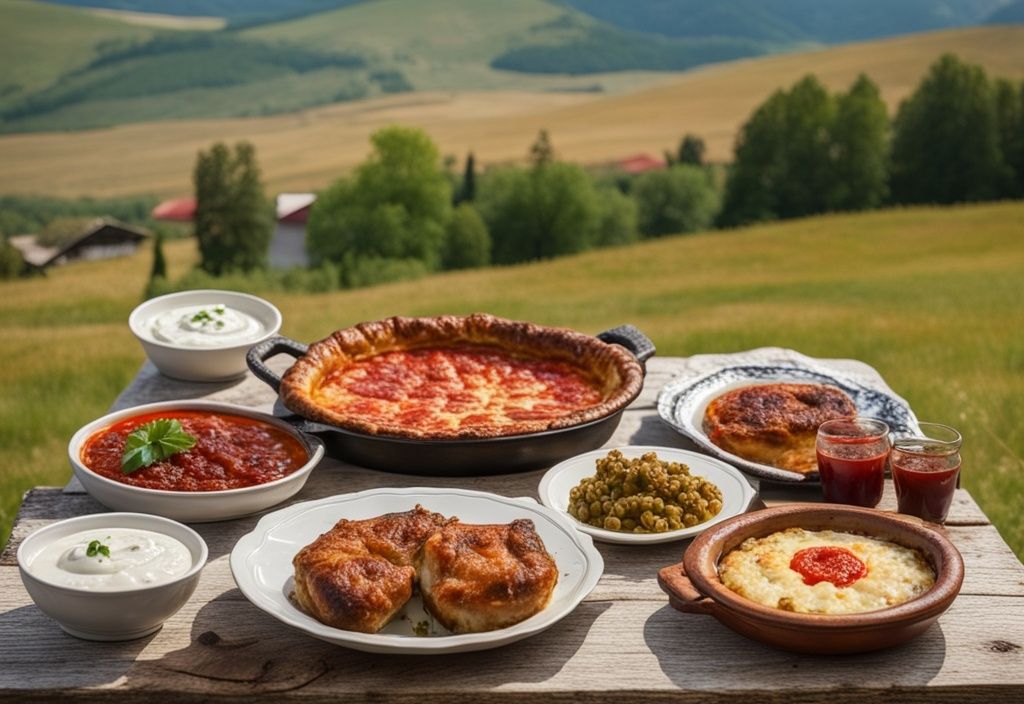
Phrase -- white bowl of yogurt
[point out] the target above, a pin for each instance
(203, 335)
(112, 576)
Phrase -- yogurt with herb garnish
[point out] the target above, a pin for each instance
(112, 559)
(211, 325)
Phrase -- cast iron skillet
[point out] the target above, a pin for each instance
(514, 453)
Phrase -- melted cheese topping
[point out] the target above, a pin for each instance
(439, 389)
(759, 569)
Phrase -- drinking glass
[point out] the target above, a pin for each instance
(926, 470)
(852, 456)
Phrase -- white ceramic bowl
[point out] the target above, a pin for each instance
(202, 363)
(115, 615)
(191, 506)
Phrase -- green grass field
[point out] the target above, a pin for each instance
(933, 298)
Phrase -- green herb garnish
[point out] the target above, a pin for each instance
(154, 441)
(202, 317)
(220, 310)
(97, 548)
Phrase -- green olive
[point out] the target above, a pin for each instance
(643, 495)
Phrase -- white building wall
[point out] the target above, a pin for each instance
(288, 246)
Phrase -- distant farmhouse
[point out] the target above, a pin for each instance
(639, 163)
(100, 239)
(288, 243)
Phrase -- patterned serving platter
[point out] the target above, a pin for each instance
(682, 403)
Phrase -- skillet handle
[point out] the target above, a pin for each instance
(632, 339)
(257, 356)
(683, 596)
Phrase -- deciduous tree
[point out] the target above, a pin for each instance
(395, 207)
(945, 146)
(233, 219)
(860, 148)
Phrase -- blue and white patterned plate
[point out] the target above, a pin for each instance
(682, 403)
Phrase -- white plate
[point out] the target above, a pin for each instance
(261, 563)
(736, 491)
(682, 404)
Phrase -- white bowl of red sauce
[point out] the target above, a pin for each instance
(242, 461)
(203, 335)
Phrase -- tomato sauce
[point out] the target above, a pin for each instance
(231, 452)
(828, 564)
(465, 385)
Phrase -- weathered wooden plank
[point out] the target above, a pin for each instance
(227, 647)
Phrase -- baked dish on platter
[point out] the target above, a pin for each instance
(452, 377)
(473, 578)
(775, 424)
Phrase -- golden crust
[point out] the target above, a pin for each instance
(775, 424)
(483, 577)
(612, 369)
(359, 574)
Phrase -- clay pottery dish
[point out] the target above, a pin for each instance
(693, 585)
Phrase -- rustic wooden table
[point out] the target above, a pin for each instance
(623, 644)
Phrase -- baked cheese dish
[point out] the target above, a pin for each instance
(825, 572)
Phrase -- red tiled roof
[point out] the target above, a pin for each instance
(639, 163)
(176, 209)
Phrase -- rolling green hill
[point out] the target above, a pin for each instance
(67, 68)
(308, 149)
(358, 50)
(828, 21)
(931, 297)
(41, 42)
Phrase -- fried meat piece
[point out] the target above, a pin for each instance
(483, 577)
(359, 574)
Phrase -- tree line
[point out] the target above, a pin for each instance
(959, 137)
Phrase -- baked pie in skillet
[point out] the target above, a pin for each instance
(452, 377)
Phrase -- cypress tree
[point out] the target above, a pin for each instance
(159, 262)
(468, 192)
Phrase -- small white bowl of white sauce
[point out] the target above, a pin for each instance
(111, 576)
(203, 335)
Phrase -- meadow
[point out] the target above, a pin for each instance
(306, 150)
(931, 297)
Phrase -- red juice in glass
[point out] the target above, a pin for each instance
(925, 471)
(852, 456)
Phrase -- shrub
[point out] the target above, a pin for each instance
(679, 199)
(467, 242)
(545, 211)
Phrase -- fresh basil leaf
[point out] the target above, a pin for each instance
(154, 441)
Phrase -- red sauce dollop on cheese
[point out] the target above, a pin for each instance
(231, 452)
(828, 564)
